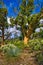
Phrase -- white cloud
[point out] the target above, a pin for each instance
(10, 30)
(37, 30)
(8, 20)
(41, 21)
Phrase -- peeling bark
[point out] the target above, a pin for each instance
(26, 40)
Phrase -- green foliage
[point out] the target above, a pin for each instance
(10, 50)
(12, 21)
(25, 16)
(3, 19)
(3, 15)
(38, 34)
(41, 34)
(36, 44)
(16, 42)
(26, 7)
(39, 58)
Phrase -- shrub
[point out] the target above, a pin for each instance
(19, 44)
(10, 50)
(16, 42)
(39, 58)
(36, 44)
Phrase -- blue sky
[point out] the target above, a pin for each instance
(11, 4)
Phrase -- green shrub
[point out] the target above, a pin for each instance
(39, 58)
(19, 44)
(16, 42)
(10, 50)
(36, 44)
(38, 34)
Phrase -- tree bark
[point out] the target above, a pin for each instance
(27, 36)
(2, 35)
(26, 39)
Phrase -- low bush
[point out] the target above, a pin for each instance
(39, 58)
(16, 42)
(10, 50)
(36, 44)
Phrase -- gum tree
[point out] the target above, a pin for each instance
(27, 20)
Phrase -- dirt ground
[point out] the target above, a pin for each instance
(26, 58)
